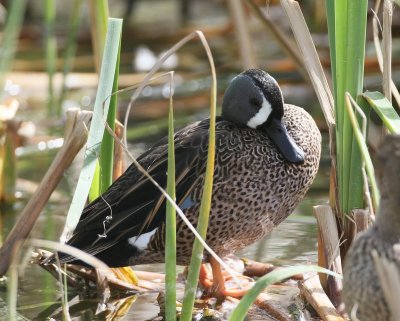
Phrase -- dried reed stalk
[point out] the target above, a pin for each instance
(75, 137)
(119, 162)
(328, 238)
(312, 291)
(275, 310)
(243, 34)
(379, 54)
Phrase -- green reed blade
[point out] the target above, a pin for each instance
(70, 49)
(330, 16)
(94, 190)
(385, 110)
(101, 105)
(170, 226)
(98, 26)
(362, 145)
(51, 50)
(340, 43)
(10, 36)
(106, 159)
(348, 71)
(357, 26)
(245, 303)
(202, 224)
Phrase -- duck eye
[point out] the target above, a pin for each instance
(255, 102)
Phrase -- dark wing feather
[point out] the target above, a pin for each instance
(134, 203)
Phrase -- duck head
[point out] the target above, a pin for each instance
(254, 99)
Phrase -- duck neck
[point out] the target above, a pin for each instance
(388, 218)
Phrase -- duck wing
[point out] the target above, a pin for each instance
(133, 205)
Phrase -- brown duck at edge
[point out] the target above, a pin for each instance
(267, 155)
(361, 284)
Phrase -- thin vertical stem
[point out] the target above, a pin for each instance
(98, 15)
(10, 36)
(70, 49)
(51, 50)
(170, 237)
(202, 224)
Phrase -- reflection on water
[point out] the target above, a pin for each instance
(292, 242)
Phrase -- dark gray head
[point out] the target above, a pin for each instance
(254, 99)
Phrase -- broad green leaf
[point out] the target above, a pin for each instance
(385, 110)
(101, 105)
(362, 145)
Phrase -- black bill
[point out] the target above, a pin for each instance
(277, 132)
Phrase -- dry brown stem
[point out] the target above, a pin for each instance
(360, 219)
(257, 269)
(119, 163)
(113, 282)
(242, 34)
(75, 138)
(329, 245)
(286, 43)
(275, 310)
(313, 292)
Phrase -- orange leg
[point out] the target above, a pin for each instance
(204, 277)
(217, 283)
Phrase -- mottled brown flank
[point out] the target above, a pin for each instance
(254, 189)
(361, 284)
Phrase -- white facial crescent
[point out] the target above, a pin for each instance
(262, 115)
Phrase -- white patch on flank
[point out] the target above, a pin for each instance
(142, 240)
(262, 115)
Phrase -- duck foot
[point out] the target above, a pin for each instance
(221, 284)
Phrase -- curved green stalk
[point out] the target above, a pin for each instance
(364, 150)
(202, 224)
(240, 311)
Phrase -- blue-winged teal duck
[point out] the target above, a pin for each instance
(267, 155)
(361, 284)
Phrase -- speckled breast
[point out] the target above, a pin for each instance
(254, 188)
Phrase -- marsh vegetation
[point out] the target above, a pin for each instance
(141, 78)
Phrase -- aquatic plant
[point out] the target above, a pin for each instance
(51, 51)
(101, 107)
